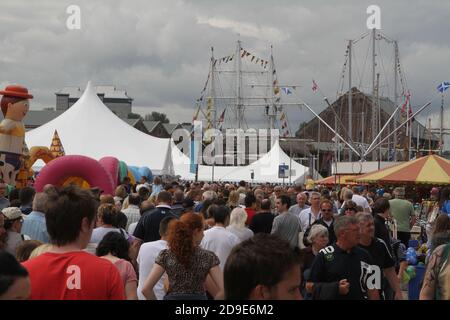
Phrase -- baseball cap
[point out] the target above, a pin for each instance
(139, 186)
(12, 213)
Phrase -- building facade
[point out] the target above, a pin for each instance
(116, 100)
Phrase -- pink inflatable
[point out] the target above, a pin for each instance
(111, 166)
(59, 169)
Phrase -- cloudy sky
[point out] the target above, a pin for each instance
(159, 51)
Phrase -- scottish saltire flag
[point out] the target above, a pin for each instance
(286, 90)
(443, 86)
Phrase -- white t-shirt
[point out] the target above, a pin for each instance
(242, 234)
(307, 218)
(131, 228)
(146, 259)
(220, 241)
(361, 201)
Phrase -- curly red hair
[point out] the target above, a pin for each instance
(181, 236)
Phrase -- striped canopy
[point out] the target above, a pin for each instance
(339, 179)
(431, 169)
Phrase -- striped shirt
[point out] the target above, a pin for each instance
(34, 226)
(133, 214)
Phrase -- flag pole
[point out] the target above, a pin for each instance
(441, 138)
(400, 126)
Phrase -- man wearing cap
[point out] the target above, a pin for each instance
(13, 226)
(14, 105)
(403, 212)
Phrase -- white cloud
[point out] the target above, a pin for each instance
(247, 29)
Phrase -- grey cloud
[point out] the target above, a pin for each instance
(159, 52)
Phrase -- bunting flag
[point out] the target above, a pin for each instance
(276, 88)
(284, 124)
(254, 58)
(406, 110)
(286, 90)
(222, 116)
(196, 114)
(315, 87)
(224, 59)
(209, 108)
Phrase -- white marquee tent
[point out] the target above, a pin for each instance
(91, 129)
(265, 168)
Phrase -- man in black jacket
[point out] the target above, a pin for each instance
(147, 228)
(263, 220)
(343, 270)
(326, 220)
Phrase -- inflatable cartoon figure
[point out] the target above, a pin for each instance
(14, 105)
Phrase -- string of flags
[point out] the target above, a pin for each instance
(276, 87)
(221, 119)
(284, 125)
(253, 58)
(195, 117)
(202, 93)
(406, 107)
(223, 60)
(209, 109)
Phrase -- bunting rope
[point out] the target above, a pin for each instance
(256, 60)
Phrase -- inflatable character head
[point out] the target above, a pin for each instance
(15, 103)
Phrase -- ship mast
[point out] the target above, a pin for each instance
(350, 109)
(239, 112)
(213, 89)
(272, 113)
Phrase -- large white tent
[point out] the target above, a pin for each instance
(91, 129)
(265, 169)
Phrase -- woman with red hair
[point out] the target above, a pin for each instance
(186, 264)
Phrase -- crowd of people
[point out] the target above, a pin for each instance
(200, 241)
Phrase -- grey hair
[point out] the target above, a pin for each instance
(314, 194)
(343, 223)
(364, 216)
(209, 195)
(316, 230)
(40, 202)
(238, 217)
